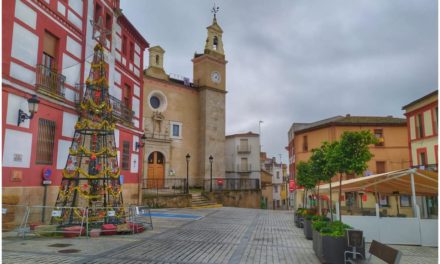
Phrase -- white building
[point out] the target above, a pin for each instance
(242, 156)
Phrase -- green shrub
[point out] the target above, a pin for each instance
(334, 229)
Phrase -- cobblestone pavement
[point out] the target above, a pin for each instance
(223, 235)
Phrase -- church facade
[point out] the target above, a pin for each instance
(184, 121)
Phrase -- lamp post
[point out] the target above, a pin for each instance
(361, 196)
(142, 176)
(188, 157)
(33, 108)
(211, 159)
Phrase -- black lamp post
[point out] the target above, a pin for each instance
(188, 157)
(33, 108)
(211, 159)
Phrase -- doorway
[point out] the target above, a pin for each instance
(156, 169)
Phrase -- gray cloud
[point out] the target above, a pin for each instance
(302, 60)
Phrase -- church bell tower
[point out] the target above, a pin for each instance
(210, 78)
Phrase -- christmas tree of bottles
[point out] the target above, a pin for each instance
(91, 177)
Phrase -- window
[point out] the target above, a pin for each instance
(98, 12)
(278, 174)
(127, 95)
(176, 130)
(244, 144)
(215, 42)
(154, 102)
(125, 155)
(380, 167)
(45, 141)
(383, 201)
(50, 46)
(305, 144)
(108, 26)
(422, 158)
(244, 164)
(378, 133)
(124, 45)
(131, 51)
(275, 188)
(405, 201)
(157, 59)
(419, 126)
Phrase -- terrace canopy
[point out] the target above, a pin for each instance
(408, 181)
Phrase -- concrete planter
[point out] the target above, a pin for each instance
(330, 249)
(308, 229)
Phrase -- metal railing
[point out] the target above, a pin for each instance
(49, 81)
(164, 186)
(224, 184)
(75, 221)
(121, 111)
(244, 149)
(244, 168)
(428, 167)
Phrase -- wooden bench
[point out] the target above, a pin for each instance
(379, 250)
(384, 252)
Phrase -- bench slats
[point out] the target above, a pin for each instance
(384, 252)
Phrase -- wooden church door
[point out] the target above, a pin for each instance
(156, 170)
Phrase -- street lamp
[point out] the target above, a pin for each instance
(188, 157)
(211, 159)
(33, 108)
(141, 177)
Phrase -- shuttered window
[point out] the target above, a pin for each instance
(45, 141)
(125, 155)
(50, 46)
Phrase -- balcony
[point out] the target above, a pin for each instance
(244, 149)
(244, 168)
(50, 83)
(121, 112)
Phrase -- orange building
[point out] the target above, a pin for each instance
(391, 153)
(422, 116)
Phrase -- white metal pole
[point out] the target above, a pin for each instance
(413, 192)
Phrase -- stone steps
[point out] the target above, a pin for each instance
(198, 201)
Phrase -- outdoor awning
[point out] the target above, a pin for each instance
(425, 183)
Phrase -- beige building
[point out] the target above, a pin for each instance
(183, 117)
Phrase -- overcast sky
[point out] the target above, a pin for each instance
(302, 60)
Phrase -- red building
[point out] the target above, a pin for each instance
(47, 49)
(422, 123)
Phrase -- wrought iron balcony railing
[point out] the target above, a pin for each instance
(244, 168)
(50, 82)
(244, 149)
(121, 111)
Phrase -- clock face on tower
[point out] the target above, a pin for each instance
(216, 77)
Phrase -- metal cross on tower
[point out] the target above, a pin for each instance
(214, 10)
(100, 32)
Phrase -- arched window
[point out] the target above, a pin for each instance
(157, 59)
(215, 43)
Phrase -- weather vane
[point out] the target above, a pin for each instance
(214, 10)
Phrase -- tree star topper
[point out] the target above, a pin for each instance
(100, 32)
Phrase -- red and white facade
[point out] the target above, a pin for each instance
(422, 123)
(47, 50)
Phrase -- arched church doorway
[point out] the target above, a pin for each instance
(156, 170)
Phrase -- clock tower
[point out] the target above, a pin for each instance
(210, 78)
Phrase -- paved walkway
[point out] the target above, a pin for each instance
(223, 235)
